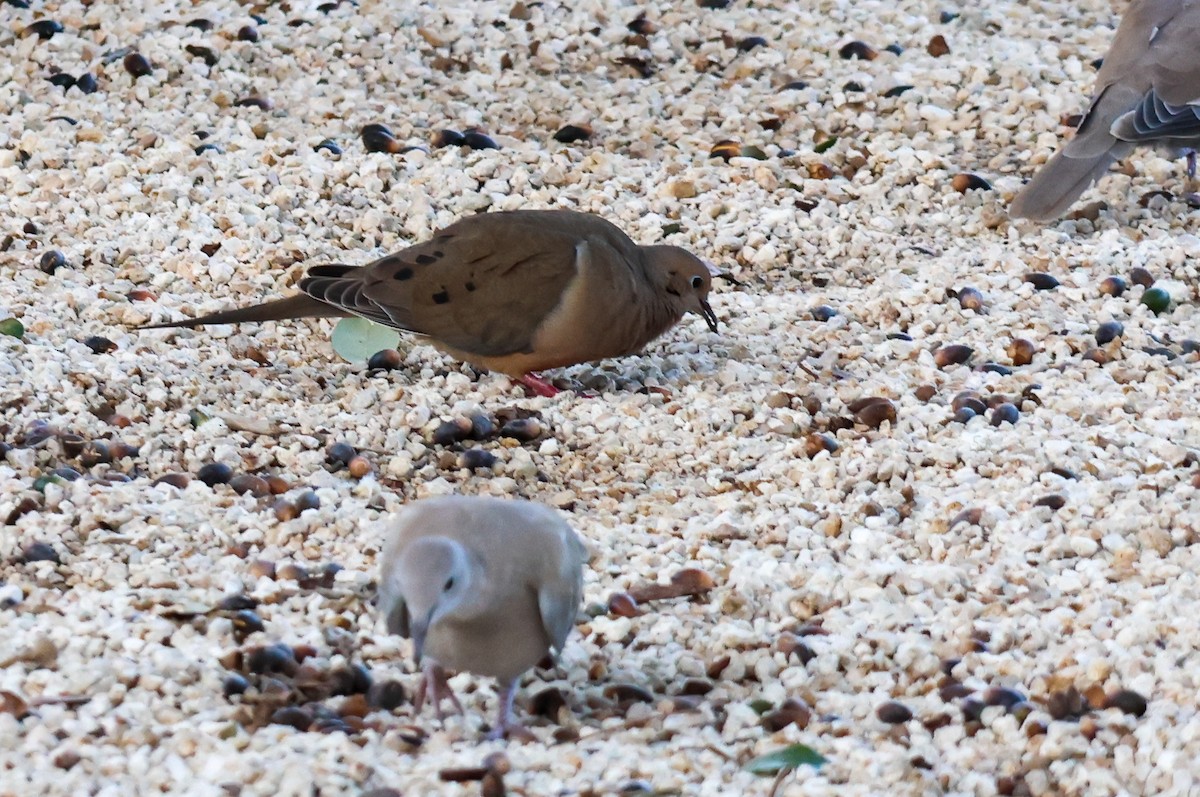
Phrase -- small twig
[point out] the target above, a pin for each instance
(783, 773)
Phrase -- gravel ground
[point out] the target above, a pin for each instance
(959, 608)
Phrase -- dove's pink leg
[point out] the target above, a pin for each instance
(433, 683)
(538, 386)
(507, 726)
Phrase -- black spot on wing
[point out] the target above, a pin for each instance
(425, 260)
(470, 286)
(403, 274)
(441, 297)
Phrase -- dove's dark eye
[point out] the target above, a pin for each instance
(697, 282)
(449, 585)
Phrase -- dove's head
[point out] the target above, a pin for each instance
(685, 279)
(434, 577)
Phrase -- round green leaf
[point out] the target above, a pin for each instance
(356, 339)
(11, 326)
(786, 758)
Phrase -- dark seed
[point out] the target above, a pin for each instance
(1189, 346)
(72, 444)
(970, 299)
(894, 713)
(1140, 276)
(261, 103)
(1067, 703)
(1098, 356)
(1001, 696)
(817, 442)
(899, 336)
(384, 360)
(86, 83)
(52, 261)
(295, 716)
(523, 429)
(447, 138)
(378, 138)
(858, 49)
(247, 622)
(1160, 351)
(954, 354)
(249, 483)
(925, 392)
(966, 181)
(896, 91)
(1128, 701)
(850, 87)
(874, 412)
(451, 432)
(329, 146)
(234, 684)
(937, 46)
(359, 466)
(823, 312)
(285, 510)
(947, 16)
(205, 54)
(790, 712)
(726, 149)
(482, 427)
(474, 458)
(1041, 281)
(40, 552)
(894, 49)
(1006, 412)
(572, 133)
(964, 415)
(67, 474)
(200, 150)
(100, 345)
(1113, 286)
(215, 473)
(43, 29)
(972, 709)
(1021, 351)
(201, 24)
(137, 65)
(247, 33)
(794, 85)
(1109, 331)
(62, 79)
(386, 695)
(1156, 299)
(270, 659)
(233, 603)
(750, 42)
(340, 454)
(476, 140)
(1055, 502)
(308, 500)
(179, 480)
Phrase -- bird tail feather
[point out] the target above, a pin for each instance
(1059, 183)
(299, 306)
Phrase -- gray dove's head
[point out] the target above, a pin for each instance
(685, 278)
(434, 577)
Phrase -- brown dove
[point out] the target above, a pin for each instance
(1148, 93)
(515, 292)
(484, 585)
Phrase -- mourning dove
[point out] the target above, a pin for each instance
(484, 585)
(1149, 87)
(515, 292)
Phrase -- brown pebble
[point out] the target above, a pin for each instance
(523, 429)
(816, 442)
(628, 693)
(793, 711)
(278, 485)
(52, 261)
(971, 516)
(261, 568)
(1053, 501)
(548, 703)
(137, 65)
(140, 295)
(291, 571)
(249, 483)
(858, 49)
(953, 354)
(179, 480)
(1005, 413)
(215, 473)
(925, 393)
(937, 46)
(297, 717)
(378, 138)
(572, 133)
(385, 360)
(1041, 281)
(1021, 351)
(1128, 701)
(387, 695)
(875, 412)
(1096, 355)
(285, 510)
(359, 467)
(1140, 276)
(790, 644)
(1113, 286)
(970, 298)
(726, 149)
(340, 453)
(894, 713)
(968, 181)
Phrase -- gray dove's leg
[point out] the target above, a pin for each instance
(433, 683)
(538, 386)
(507, 726)
(1191, 164)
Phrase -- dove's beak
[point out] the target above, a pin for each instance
(419, 630)
(710, 318)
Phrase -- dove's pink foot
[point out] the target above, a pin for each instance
(434, 684)
(538, 386)
(507, 726)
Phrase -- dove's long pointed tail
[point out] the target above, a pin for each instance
(299, 306)
(1059, 183)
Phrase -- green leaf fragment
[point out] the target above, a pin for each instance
(787, 758)
(673, 227)
(356, 339)
(11, 326)
(761, 706)
(751, 151)
(825, 145)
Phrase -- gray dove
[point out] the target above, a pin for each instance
(1148, 93)
(482, 585)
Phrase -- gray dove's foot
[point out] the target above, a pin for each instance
(434, 684)
(507, 726)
